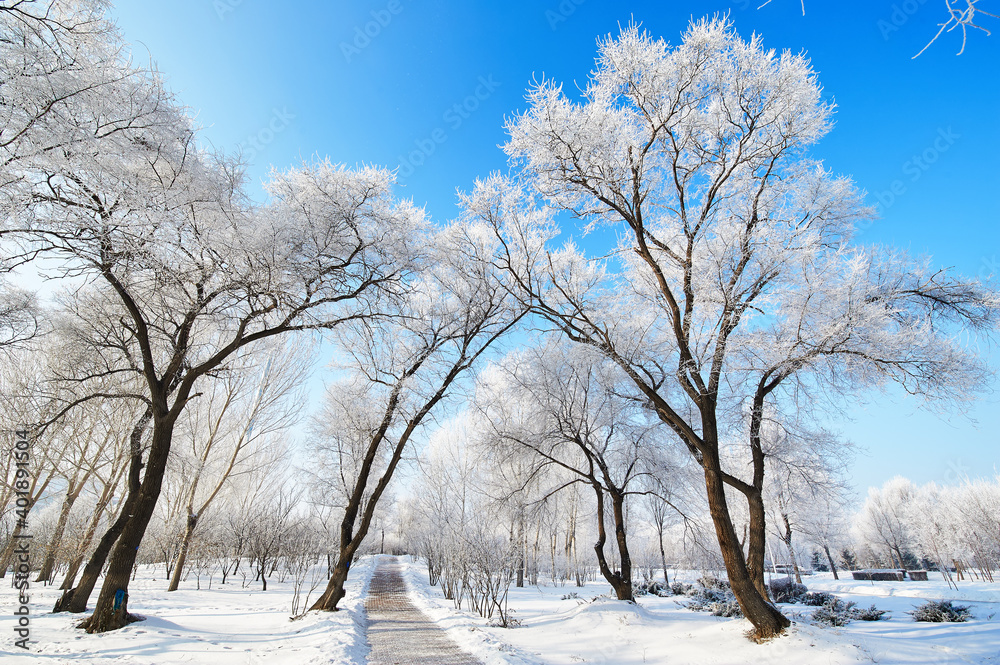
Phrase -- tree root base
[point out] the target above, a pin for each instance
(760, 638)
(88, 624)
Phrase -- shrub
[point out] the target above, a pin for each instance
(703, 595)
(834, 612)
(868, 614)
(654, 588)
(815, 598)
(570, 596)
(786, 591)
(939, 611)
(713, 596)
(728, 609)
(711, 582)
(680, 588)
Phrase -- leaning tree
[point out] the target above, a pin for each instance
(398, 373)
(734, 282)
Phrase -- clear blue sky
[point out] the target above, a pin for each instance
(292, 80)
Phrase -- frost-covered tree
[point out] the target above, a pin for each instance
(225, 431)
(961, 15)
(734, 285)
(886, 520)
(560, 411)
(397, 369)
(20, 318)
(190, 273)
(57, 57)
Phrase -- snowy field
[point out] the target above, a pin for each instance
(230, 625)
(225, 625)
(658, 630)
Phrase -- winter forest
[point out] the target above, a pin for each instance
(594, 415)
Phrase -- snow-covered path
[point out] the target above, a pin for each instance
(398, 631)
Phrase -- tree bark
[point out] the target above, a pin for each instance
(787, 539)
(75, 599)
(111, 609)
(767, 620)
(757, 541)
(48, 564)
(88, 536)
(175, 580)
(621, 581)
(829, 558)
(663, 555)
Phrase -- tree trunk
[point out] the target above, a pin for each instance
(757, 540)
(45, 574)
(618, 508)
(519, 583)
(111, 610)
(88, 537)
(787, 539)
(833, 566)
(335, 588)
(75, 599)
(621, 582)
(767, 620)
(663, 556)
(175, 580)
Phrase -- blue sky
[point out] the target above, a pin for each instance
(425, 86)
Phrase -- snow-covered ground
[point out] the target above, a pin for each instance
(230, 625)
(659, 630)
(225, 625)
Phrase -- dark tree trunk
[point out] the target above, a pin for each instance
(353, 532)
(88, 537)
(111, 609)
(757, 541)
(335, 588)
(75, 599)
(620, 581)
(767, 620)
(833, 566)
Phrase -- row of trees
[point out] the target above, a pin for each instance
(687, 364)
(170, 276)
(951, 528)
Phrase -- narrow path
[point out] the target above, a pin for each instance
(398, 632)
